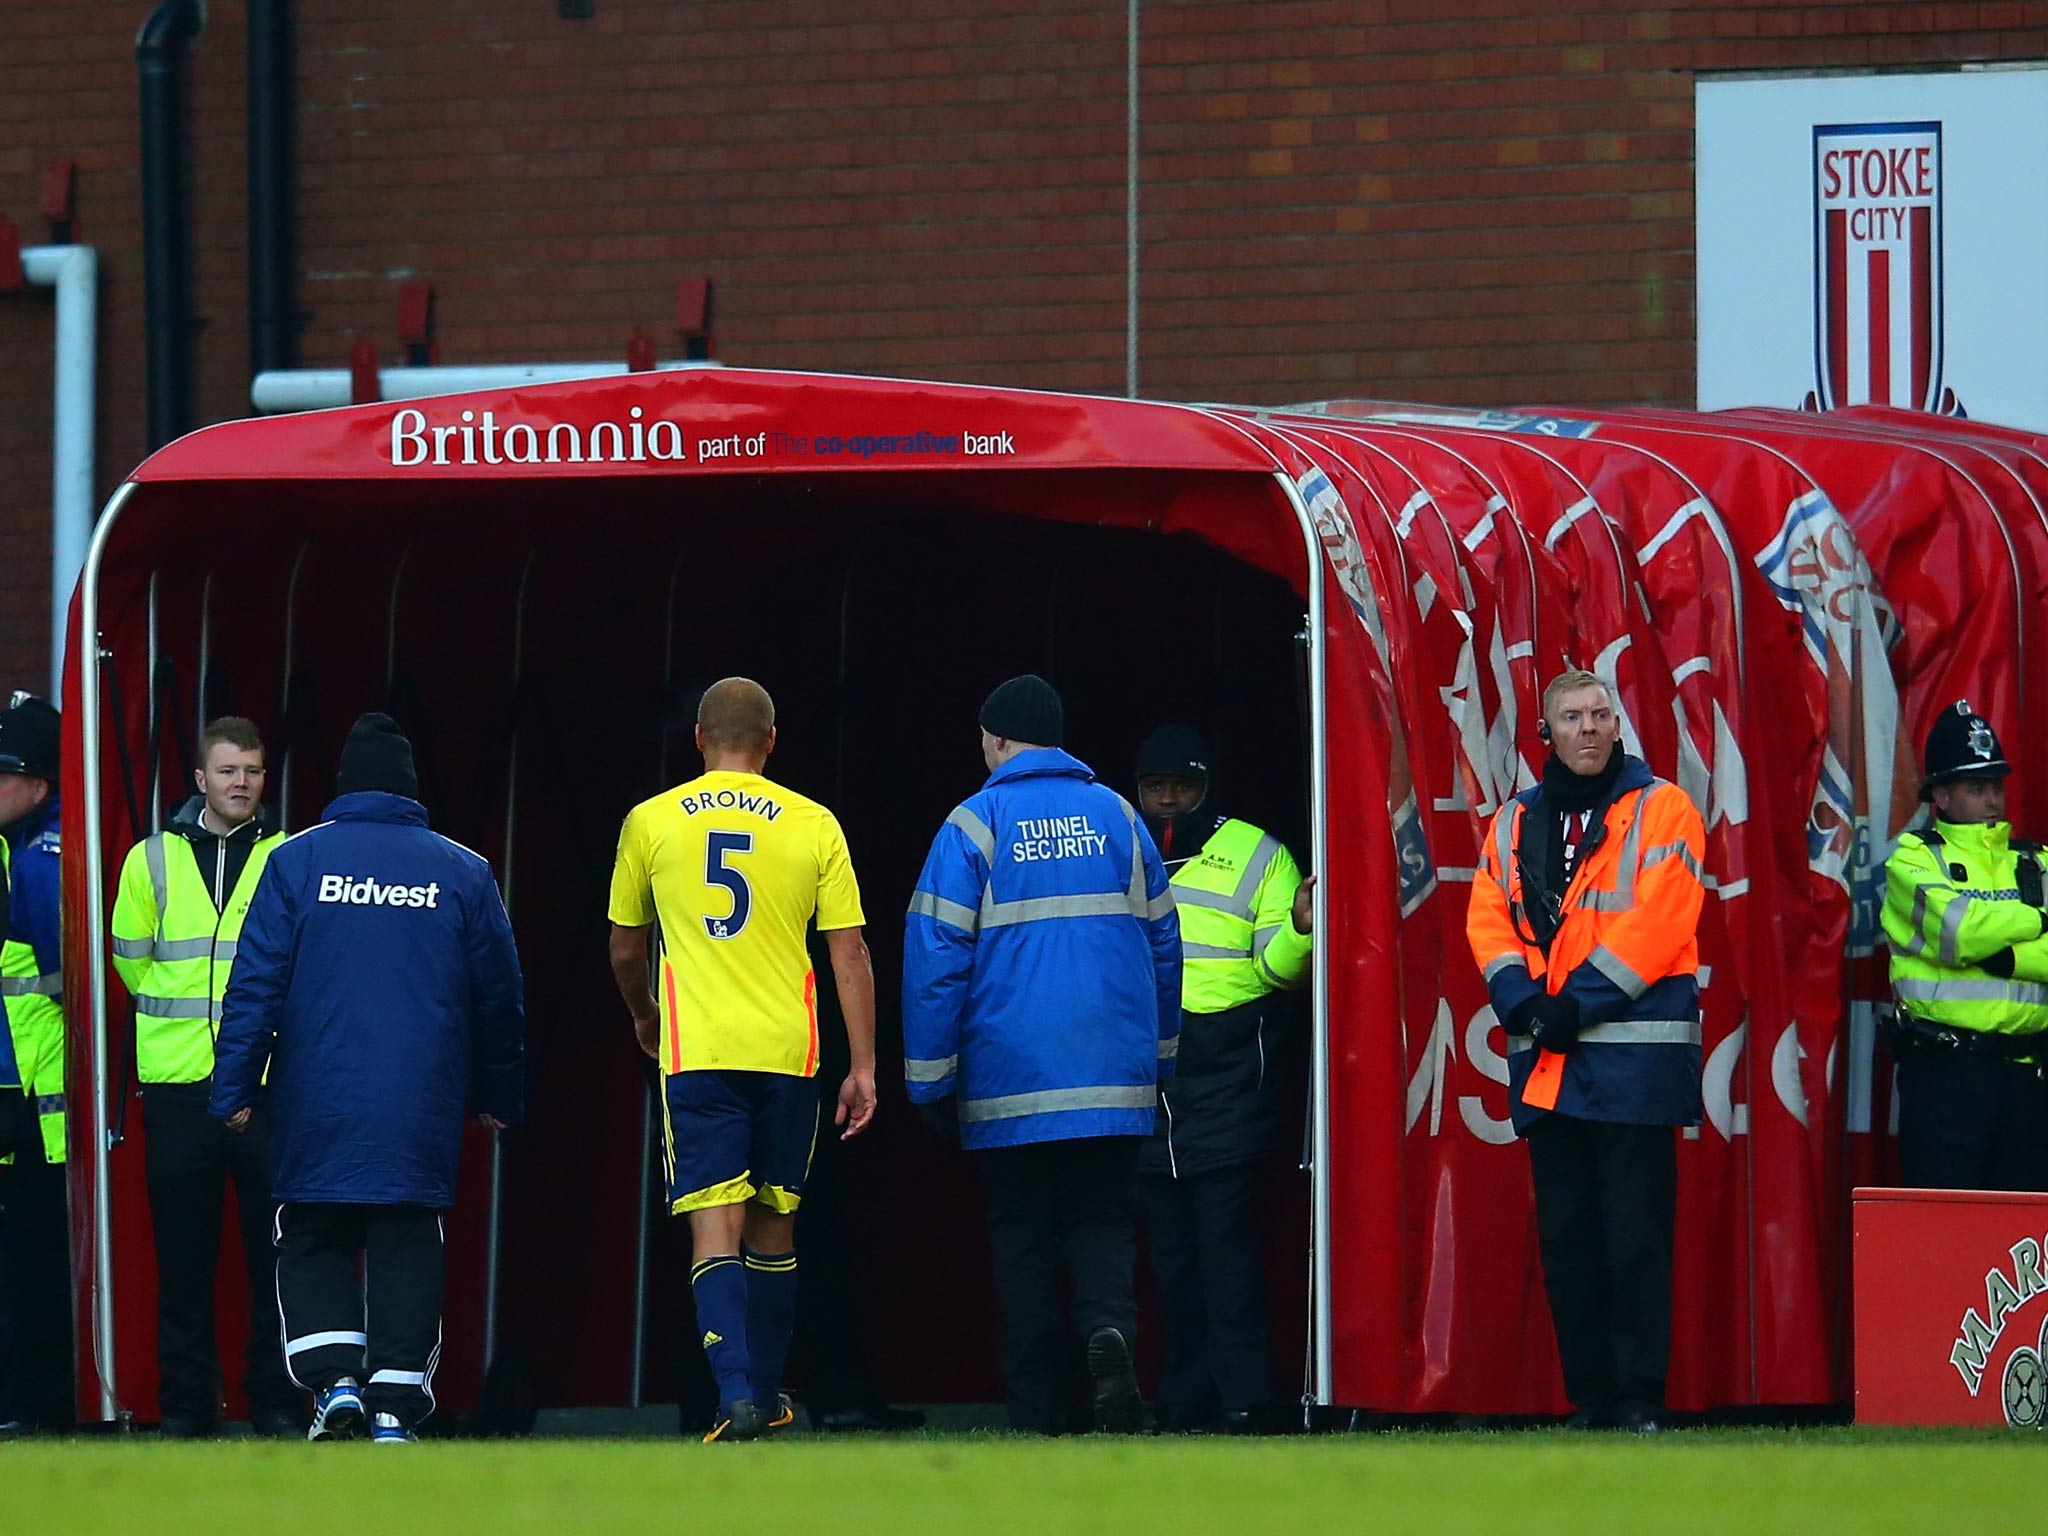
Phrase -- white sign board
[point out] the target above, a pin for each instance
(1875, 238)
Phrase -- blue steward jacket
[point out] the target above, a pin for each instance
(1041, 961)
(378, 981)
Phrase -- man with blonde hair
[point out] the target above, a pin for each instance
(1583, 919)
(734, 867)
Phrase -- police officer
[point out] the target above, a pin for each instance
(1963, 914)
(1245, 923)
(35, 1241)
(1041, 1005)
(378, 983)
(1583, 920)
(177, 917)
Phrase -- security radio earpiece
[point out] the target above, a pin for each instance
(1543, 732)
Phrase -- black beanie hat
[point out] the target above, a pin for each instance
(1962, 745)
(1175, 749)
(377, 756)
(31, 738)
(1025, 708)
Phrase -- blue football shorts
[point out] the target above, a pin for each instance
(731, 1137)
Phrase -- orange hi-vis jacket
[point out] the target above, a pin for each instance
(1625, 952)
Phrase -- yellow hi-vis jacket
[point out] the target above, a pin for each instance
(34, 997)
(1947, 909)
(174, 937)
(1236, 901)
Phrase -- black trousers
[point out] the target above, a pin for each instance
(1606, 1201)
(1971, 1122)
(1053, 1206)
(189, 1158)
(1203, 1235)
(385, 1330)
(36, 1368)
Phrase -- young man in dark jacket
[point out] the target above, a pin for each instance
(378, 982)
(1246, 916)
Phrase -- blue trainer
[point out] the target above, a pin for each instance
(337, 1411)
(386, 1430)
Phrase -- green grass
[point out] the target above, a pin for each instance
(1717, 1483)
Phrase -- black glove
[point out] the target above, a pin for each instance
(1557, 1023)
(1999, 964)
(941, 1118)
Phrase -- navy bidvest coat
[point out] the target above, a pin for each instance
(378, 983)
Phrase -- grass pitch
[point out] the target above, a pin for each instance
(1814, 1483)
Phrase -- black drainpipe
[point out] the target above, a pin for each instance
(273, 218)
(166, 301)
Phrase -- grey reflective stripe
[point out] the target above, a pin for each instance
(1504, 844)
(1037, 909)
(1611, 965)
(174, 1007)
(1169, 1049)
(1160, 905)
(1950, 951)
(1052, 1100)
(49, 1103)
(976, 829)
(1261, 937)
(1626, 1032)
(32, 986)
(1504, 963)
(1215, 901)
(931, 1070)
(1607, 901)
(1263, 854)
(1917, 944)
(2030, 992)
(1212, 952)
(134, 949)
(183, 949)
(1643, 1032)
(940, 909)
(159, 878)
(1678, 851)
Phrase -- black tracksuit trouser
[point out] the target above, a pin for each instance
(1970, 1122)
(189, 1158)
(1202, 1232)
(1053, 1206)
(385, 1331)
(1606, 1203)
(36, 1383)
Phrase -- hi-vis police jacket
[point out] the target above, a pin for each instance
(378, 978)
(175, 932)
(1625, 952)
(32, 968)
(1950, 907)
(1042, 961)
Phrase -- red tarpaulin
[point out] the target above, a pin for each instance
(532, 581)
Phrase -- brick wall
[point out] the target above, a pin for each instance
(1458, 200)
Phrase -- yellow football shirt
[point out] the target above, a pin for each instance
(734, 866)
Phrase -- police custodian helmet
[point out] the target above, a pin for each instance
(1962, 745)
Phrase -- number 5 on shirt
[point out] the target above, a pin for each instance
(717, 872)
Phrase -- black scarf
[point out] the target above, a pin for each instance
(1540, 848)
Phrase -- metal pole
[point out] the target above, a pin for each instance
(496, 1225)
(1319, 834)
(205, 665)
(643, 1216)
(1131, 203)
(284, 698)
(102, 1307)
(155, 781)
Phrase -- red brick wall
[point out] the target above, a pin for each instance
(1421, 199)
